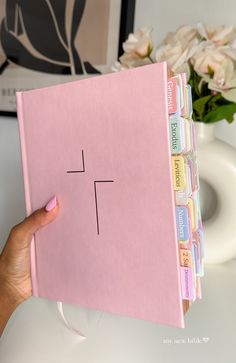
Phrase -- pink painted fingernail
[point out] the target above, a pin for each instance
(51, 204)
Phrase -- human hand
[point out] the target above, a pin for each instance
(15, 280)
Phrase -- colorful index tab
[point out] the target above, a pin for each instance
(188, 133)
(185, 93)
(192, 213)
(176, 134)
(190, 102)
(185, 257)
(172, 95)
(186, 277)
(186, 187)
(181, 197)
(178, 169)
(182, 221)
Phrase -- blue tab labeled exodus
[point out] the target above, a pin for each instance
(182, 221)
(177, 140)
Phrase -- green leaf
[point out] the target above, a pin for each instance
(215, 102)
(194, 81)
(199, 105)
(222, 112)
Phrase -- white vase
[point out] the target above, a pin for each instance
(217, 173)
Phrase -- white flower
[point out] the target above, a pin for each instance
(230, 49)
(185, 35)
(139, 43)
(117, 66)
(208, 57)
(175, 56)
(217, 35)
(223, 80)
(169, 53)
(211, 52)
(178, 48)
(132, 60)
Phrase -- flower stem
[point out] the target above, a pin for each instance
(149, 57)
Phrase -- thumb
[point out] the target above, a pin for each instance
(39, 218)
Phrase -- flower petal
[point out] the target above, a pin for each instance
(230, 95)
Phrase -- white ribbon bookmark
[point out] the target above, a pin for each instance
(67, 324)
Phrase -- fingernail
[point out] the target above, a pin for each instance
(51, 204)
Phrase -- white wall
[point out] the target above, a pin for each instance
(12, 207)
(35, 334)
(166, 15)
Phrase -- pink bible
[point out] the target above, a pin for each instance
(101, 145)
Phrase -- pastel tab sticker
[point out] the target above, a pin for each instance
(190, 101)
(198, 216)
(178, 89)
(184, 108)
(182, 221)
(185, 93)
(196, 208)
(199, 206)
(200, 247)
(196, 258)
(193, 266)
(196, 176)
(181, 197)
(193, 130)
(192, 213)
(188, 179)
(189, 145)
(186, 114)
(186, 278)
(185, 257)
(186, 244)
(199, 289)
(192, 173)
(172, 95)
(182, 122)
(181, 91)
(176, 139)
(178, 170)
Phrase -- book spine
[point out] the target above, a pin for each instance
(20, 116)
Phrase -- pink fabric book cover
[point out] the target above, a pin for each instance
(101, 145)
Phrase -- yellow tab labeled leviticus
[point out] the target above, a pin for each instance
(178, 170)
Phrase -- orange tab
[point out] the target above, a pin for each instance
(185, 257)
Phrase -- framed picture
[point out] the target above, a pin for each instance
(47, 42)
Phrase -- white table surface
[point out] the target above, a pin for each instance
(36, 334)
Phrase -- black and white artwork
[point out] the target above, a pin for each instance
(46, 42)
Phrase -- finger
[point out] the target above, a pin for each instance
(36, 220)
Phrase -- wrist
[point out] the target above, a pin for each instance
(8, 293)
(8, 303)
(9, 296)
